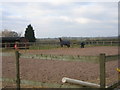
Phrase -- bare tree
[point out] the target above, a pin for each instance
(19, 34)
(9, 33)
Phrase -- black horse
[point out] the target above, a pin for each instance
(66, 43)
(82, 44)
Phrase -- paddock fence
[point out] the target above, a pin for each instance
(44, 45)
(100, 59)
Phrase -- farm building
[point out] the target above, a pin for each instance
(10, 41)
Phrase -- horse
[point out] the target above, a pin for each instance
(63, 42)
(82, 44)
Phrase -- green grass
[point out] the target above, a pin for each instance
(6, 50)
(42, 47)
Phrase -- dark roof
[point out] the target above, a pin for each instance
(10, 38)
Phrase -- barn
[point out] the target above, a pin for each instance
(9, 42)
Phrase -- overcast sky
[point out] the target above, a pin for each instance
(57, 19)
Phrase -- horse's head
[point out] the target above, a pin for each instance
(60, 39)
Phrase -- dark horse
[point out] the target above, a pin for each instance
(66, 43)
(82, 44)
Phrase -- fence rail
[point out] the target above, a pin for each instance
(111, 58)
(61, 57)
(39, 44)
(92, 59)
(36, 84)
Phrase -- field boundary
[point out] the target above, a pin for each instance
(61, 57)
(44, 45)
(93, 59)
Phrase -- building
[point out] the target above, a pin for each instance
(9, 42)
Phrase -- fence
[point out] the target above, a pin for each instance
(102, 43)
(39, 45)
(12, 45)
(101, 59)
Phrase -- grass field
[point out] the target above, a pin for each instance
(49, 46)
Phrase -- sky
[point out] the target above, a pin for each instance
(61, 19)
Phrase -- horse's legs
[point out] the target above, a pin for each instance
(68, 46)
(61, 45)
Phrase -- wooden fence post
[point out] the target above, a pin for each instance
(97, 43)
(17, 70)
(102, 70)
(103, 43)
(111, 43)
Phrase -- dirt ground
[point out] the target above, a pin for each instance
(108, 50)
(53, 71)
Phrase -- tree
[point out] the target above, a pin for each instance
(29, 33)
(9, 33)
